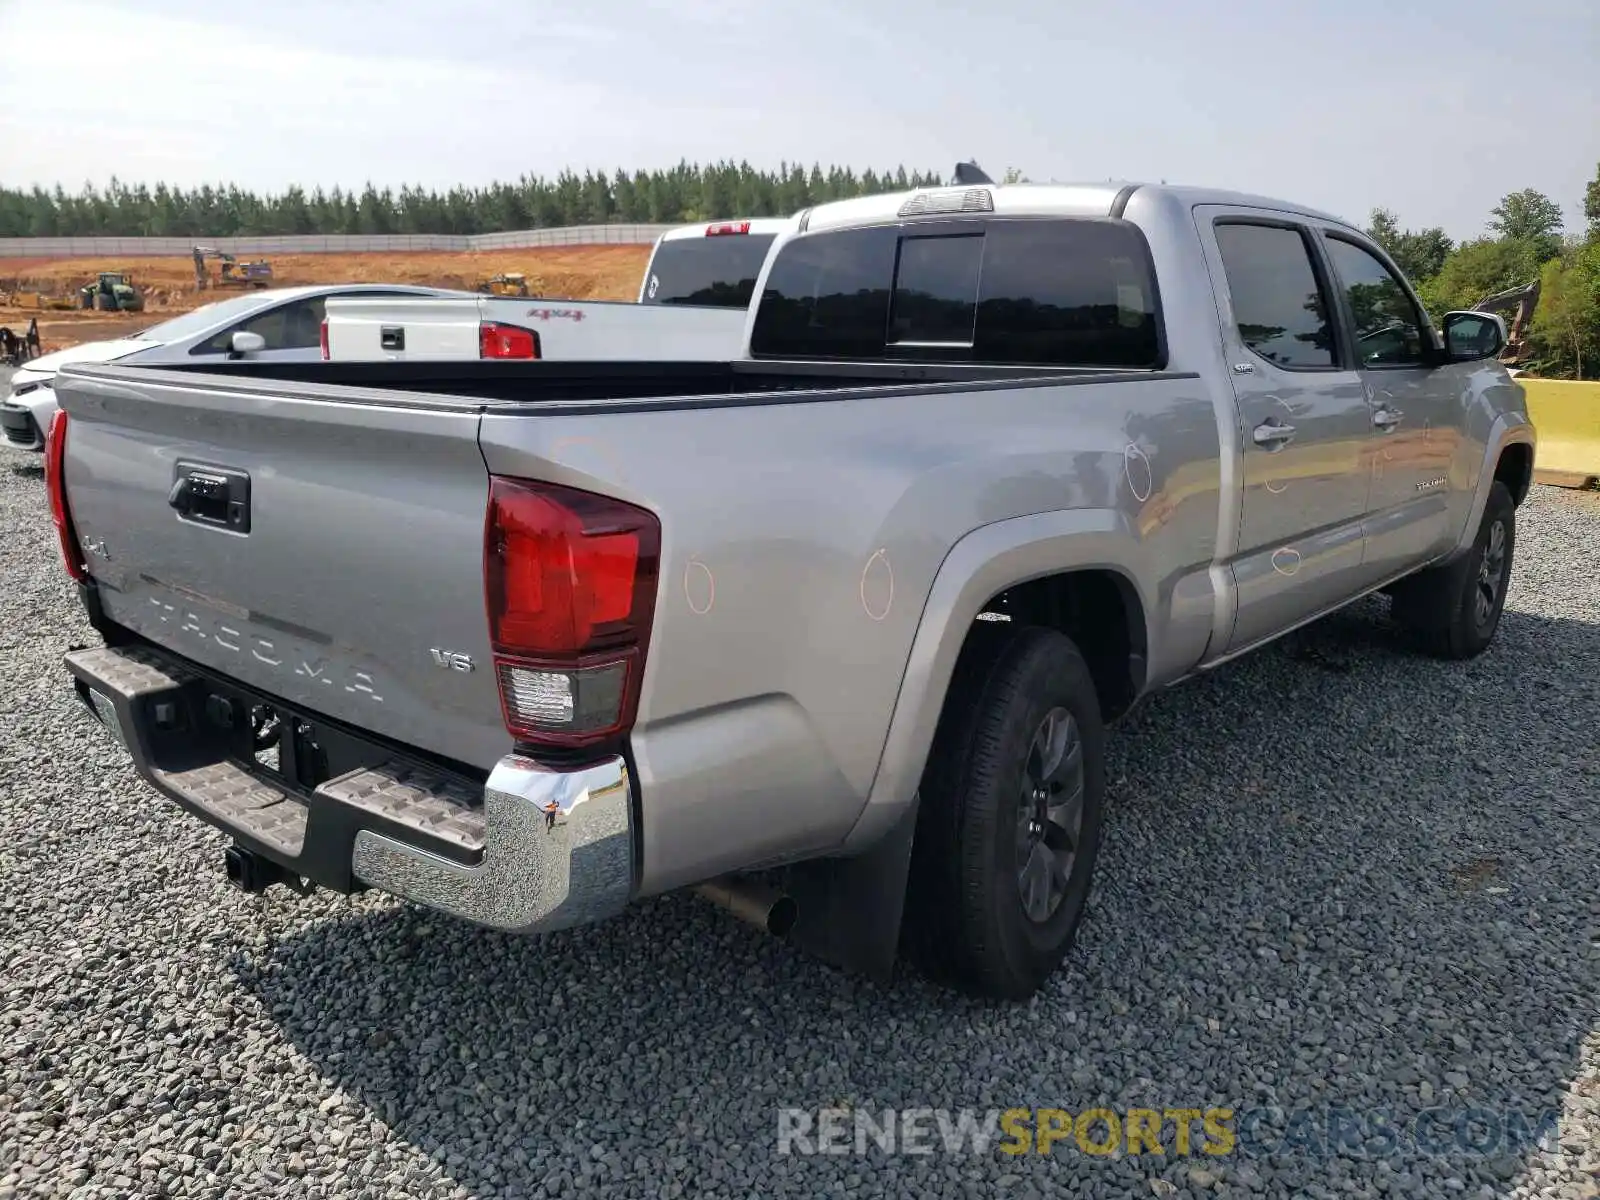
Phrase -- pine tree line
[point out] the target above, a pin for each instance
(687, 192)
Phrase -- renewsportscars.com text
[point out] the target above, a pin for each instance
(1321, 1132)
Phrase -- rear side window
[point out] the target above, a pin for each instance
(1024, 292)
(1280, 309)
(719, 270)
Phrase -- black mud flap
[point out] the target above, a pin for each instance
(850, 908)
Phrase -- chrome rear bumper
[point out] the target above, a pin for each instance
(532, 849)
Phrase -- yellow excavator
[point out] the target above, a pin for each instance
(231, 272)
(1518, 304)
(510, 283)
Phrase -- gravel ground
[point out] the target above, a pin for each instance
(1337, 877)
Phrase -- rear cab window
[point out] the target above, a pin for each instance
(717, 270)
(1279, 305)
(1002, 291)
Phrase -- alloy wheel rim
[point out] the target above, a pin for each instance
(1049, 814)
(1491, 573)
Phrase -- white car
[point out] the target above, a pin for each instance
(275, 323)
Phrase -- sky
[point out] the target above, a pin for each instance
(1432, 111)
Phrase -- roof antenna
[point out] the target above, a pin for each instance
(971, 172)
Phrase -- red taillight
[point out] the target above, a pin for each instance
(506, 341)
(570, 585)
(325, 354)
(722, 227)
(55, 483)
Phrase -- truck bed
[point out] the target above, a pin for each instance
(509, 387)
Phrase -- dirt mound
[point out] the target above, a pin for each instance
(571, 272)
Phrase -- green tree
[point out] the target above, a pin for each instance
(682, 192)
(1384, 228)
(1591, 205)
(1565, 336)
(1529, 216)
(1477, 269)
(1419, 253)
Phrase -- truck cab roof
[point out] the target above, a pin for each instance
(1029, 200)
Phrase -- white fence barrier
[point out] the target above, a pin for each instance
(332, 243)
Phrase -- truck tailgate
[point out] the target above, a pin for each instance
(388, 328)
(375, 329)
(327, 553)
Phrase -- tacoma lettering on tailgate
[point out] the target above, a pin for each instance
(278, 652)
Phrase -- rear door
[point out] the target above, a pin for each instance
(356, 556)
(1415, 407)
(1302, 421)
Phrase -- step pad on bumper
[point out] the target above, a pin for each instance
(134, 689)
(241, 800)
(415, 797)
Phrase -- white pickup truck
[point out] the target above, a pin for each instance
(692, 304)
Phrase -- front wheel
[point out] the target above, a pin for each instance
(1009, 815)
(1454, 610)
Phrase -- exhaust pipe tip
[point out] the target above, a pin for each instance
(757, 904)
(782, 916)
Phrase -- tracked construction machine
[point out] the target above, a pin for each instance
(230, 271)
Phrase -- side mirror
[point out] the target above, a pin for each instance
(1469, 336)
(244, 342)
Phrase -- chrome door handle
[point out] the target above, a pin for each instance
(1270, 434)
(1387, 418)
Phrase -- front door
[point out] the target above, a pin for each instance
(1416, 409)
(1303, 423)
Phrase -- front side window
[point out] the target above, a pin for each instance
(1026, 292)
(1387, 325)
(1278, 305)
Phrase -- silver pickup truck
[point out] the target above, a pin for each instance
(831, 633)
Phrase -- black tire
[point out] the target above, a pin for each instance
(1453, 611)
(966, 913)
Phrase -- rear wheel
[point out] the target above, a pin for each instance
(1454, 610)
(1009, 815)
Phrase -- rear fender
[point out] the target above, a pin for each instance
(981, 565)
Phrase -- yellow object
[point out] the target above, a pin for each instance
(1566, 415)
(41, 300)
(508, 284)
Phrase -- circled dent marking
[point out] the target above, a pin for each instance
(877, 585)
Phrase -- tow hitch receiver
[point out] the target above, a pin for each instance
(251, 873)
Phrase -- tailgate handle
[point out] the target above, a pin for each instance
(218, 496)
(392, 337)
